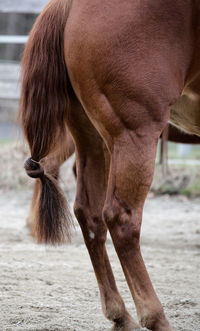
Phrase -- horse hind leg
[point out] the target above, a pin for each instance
(127, 189)
(92, 161)
(131, 134)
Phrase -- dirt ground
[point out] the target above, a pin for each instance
(54, 289)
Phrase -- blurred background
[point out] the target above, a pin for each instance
(16, 20)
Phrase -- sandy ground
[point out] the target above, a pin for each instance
(50, 289)
(46, 288)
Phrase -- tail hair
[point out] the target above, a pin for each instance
(51, 224)
(44, 96)
(44, 105)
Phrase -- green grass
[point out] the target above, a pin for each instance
(6, 142)
(192, 190)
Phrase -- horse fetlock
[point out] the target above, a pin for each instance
(113, 308)
(124, 328)
(126, 324)
(156, 321)
(115, 311)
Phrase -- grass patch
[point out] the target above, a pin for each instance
(4, 142)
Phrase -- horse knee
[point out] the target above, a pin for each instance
(93, 227)
(124, 224)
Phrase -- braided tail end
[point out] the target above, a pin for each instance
(52, 219)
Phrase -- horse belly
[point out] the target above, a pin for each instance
(185, 113)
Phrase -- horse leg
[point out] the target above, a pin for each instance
(92, 161)
(131, 133)
(129, 182)
(52, 166)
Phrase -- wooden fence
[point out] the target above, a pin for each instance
(9, 82)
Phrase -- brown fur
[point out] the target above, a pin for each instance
(129, 63)
(179, 136)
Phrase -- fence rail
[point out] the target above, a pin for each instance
(9, 81)
(4, 39)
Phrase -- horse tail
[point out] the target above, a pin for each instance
(43, 109)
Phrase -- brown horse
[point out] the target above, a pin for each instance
(115, 72)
